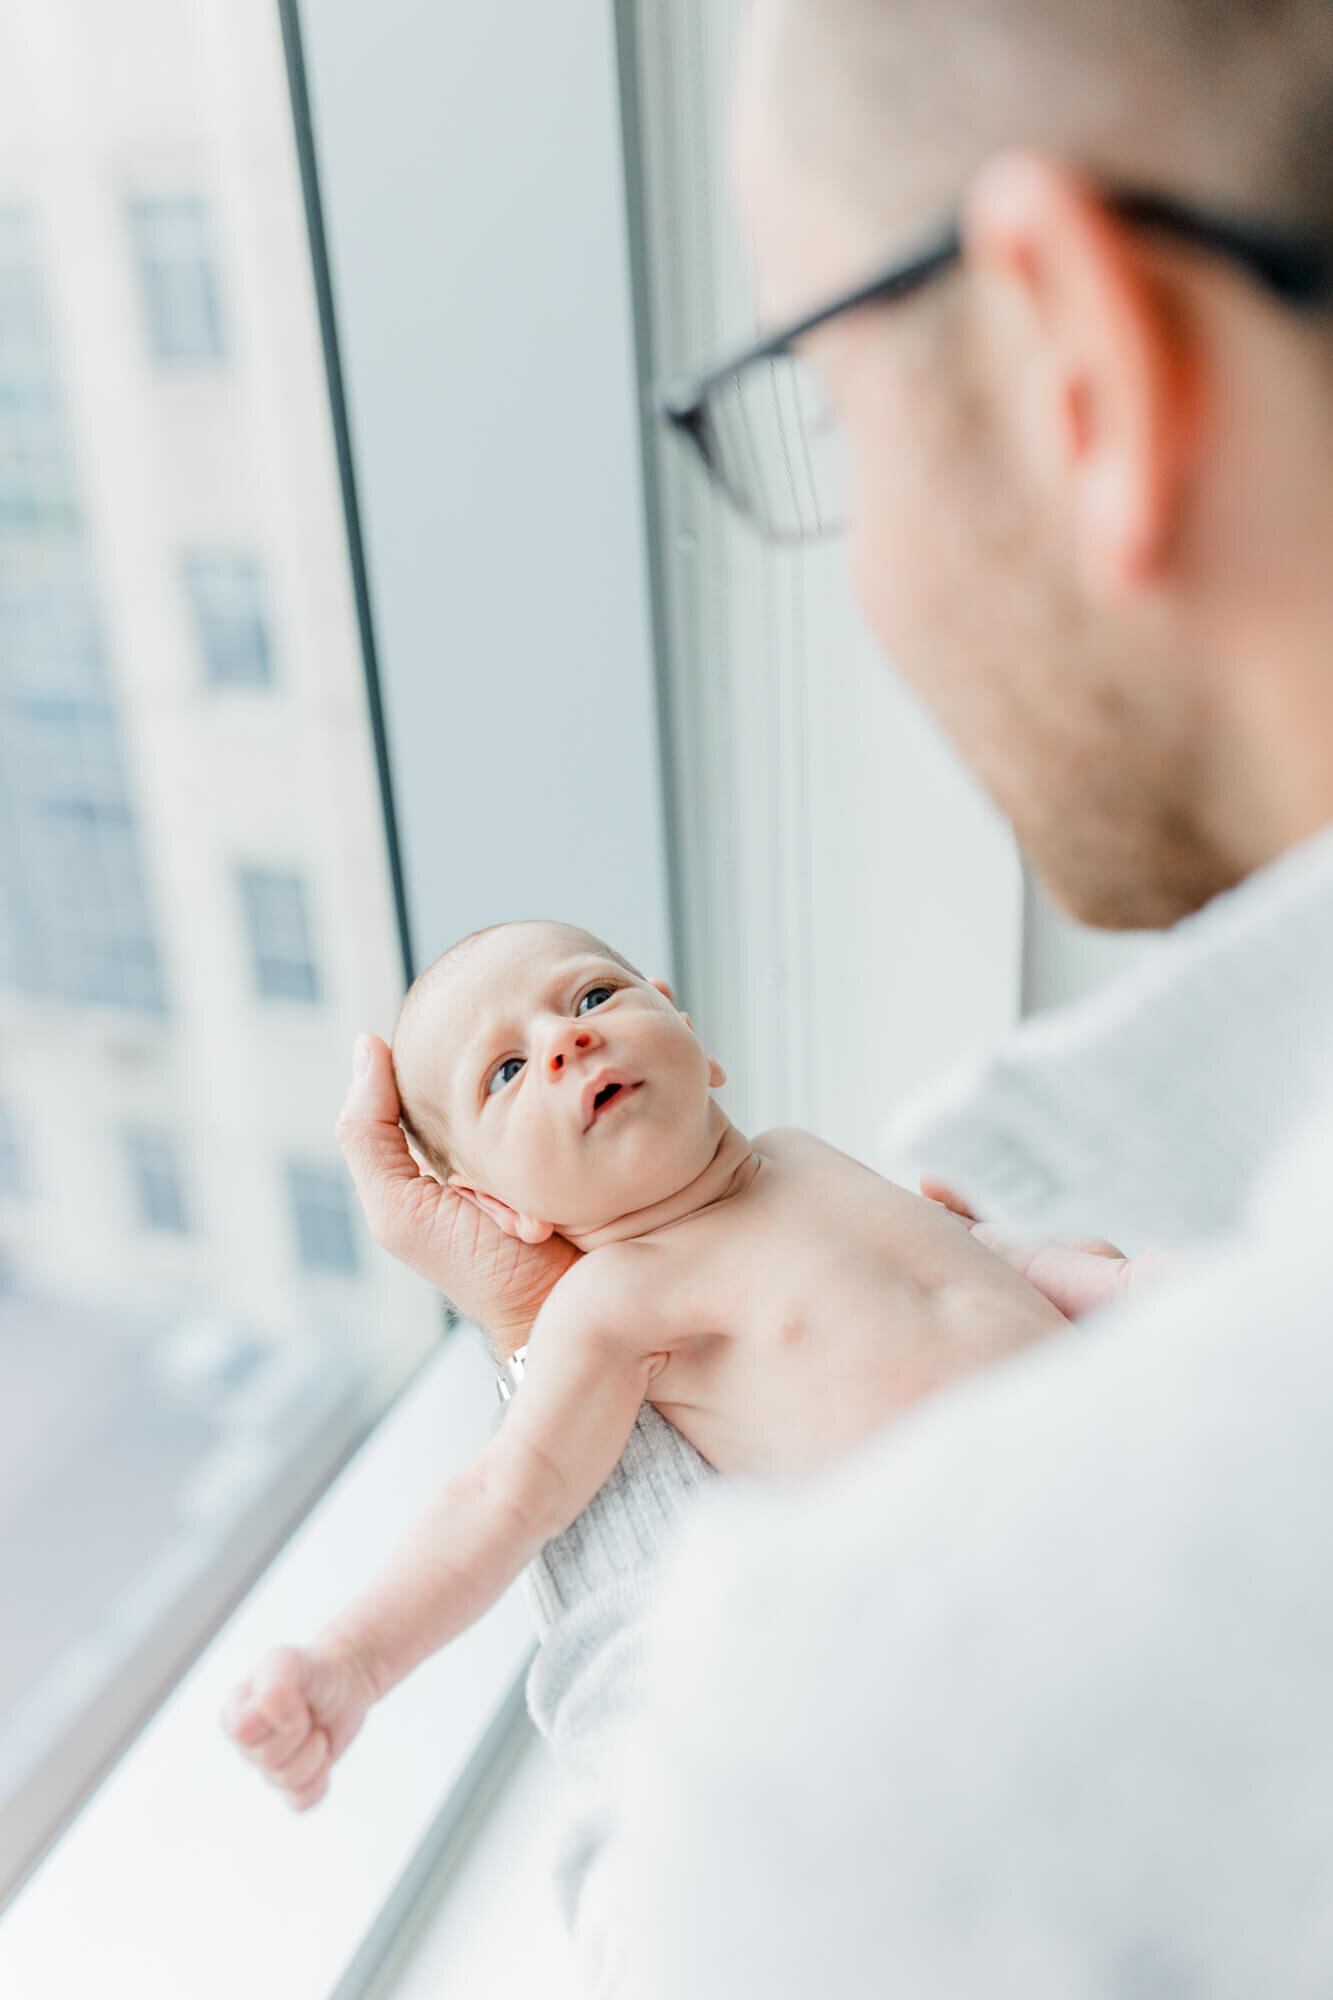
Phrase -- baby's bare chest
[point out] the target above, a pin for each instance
(781, 1365)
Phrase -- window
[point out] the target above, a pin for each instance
(180, 1375)
(322, 1209)
(75, 915)
(228, 600)
(279, 933)
(178, 273)
(36, 475)
(158, 1178)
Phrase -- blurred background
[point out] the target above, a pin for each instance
(349, 598)
(196, 896)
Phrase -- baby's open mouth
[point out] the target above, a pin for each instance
(603, 1091)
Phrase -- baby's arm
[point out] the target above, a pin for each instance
(561, 1438)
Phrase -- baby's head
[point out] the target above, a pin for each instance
(542, 1074)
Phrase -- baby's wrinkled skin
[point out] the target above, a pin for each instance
(511, 1047)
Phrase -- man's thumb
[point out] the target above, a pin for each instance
(372, 1093)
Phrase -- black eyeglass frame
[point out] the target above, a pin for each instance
(1292, 264)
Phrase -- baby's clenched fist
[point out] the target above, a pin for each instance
(296, 1714)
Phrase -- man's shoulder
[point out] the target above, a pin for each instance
(1290, 1195)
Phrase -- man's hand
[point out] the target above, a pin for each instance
(1075, 1277)
(491, 1278)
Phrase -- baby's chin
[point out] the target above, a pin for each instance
(645, 1169)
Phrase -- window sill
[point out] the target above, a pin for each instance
(185, 1871)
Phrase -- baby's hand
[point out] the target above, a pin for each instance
(296, 1714)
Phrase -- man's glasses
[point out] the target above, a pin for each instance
(761, 422)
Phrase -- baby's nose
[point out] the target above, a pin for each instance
(566, 1043)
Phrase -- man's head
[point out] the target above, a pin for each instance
(545, 1078)
(1092, 468)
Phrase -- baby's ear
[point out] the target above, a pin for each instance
(717, 1076)
(525, 1227)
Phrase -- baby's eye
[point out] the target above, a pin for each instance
(503, 1074)
(593, 994)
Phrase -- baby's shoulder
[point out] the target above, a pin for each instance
(791, 1142)
(633, 1292)
(804, 1164)
(621, 1275)
(785, 1141)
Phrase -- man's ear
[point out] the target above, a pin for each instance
(526, 1228)
(1104, 388)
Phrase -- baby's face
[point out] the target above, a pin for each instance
(572, 1091)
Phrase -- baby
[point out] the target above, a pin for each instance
(556, 1088)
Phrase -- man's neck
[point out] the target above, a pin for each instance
(730, 1170)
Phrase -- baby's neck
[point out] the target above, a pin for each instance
(730, 1171)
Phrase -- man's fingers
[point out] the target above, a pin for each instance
(372, 1093)
(935, 1190)
(1075, 1280)
(373, 1142)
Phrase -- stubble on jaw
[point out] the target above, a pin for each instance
(1090, 733)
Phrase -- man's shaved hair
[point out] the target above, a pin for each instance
(1226, 103)
(421, 1120)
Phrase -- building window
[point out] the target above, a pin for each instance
(229, 603)
(36, 474)
(74, 910)
(13, 1172)
(159, 1179)
(279, 932)
(178, 271)
(71, 877)
(322, 1210)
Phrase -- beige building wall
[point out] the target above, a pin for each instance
(100, 107)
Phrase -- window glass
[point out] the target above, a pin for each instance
(194, 1327)
(278, 928)
(178, 271)
(228, 600)
(322, 1208)
(158, 1175)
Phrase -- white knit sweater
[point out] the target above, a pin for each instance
(1032, 1694)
